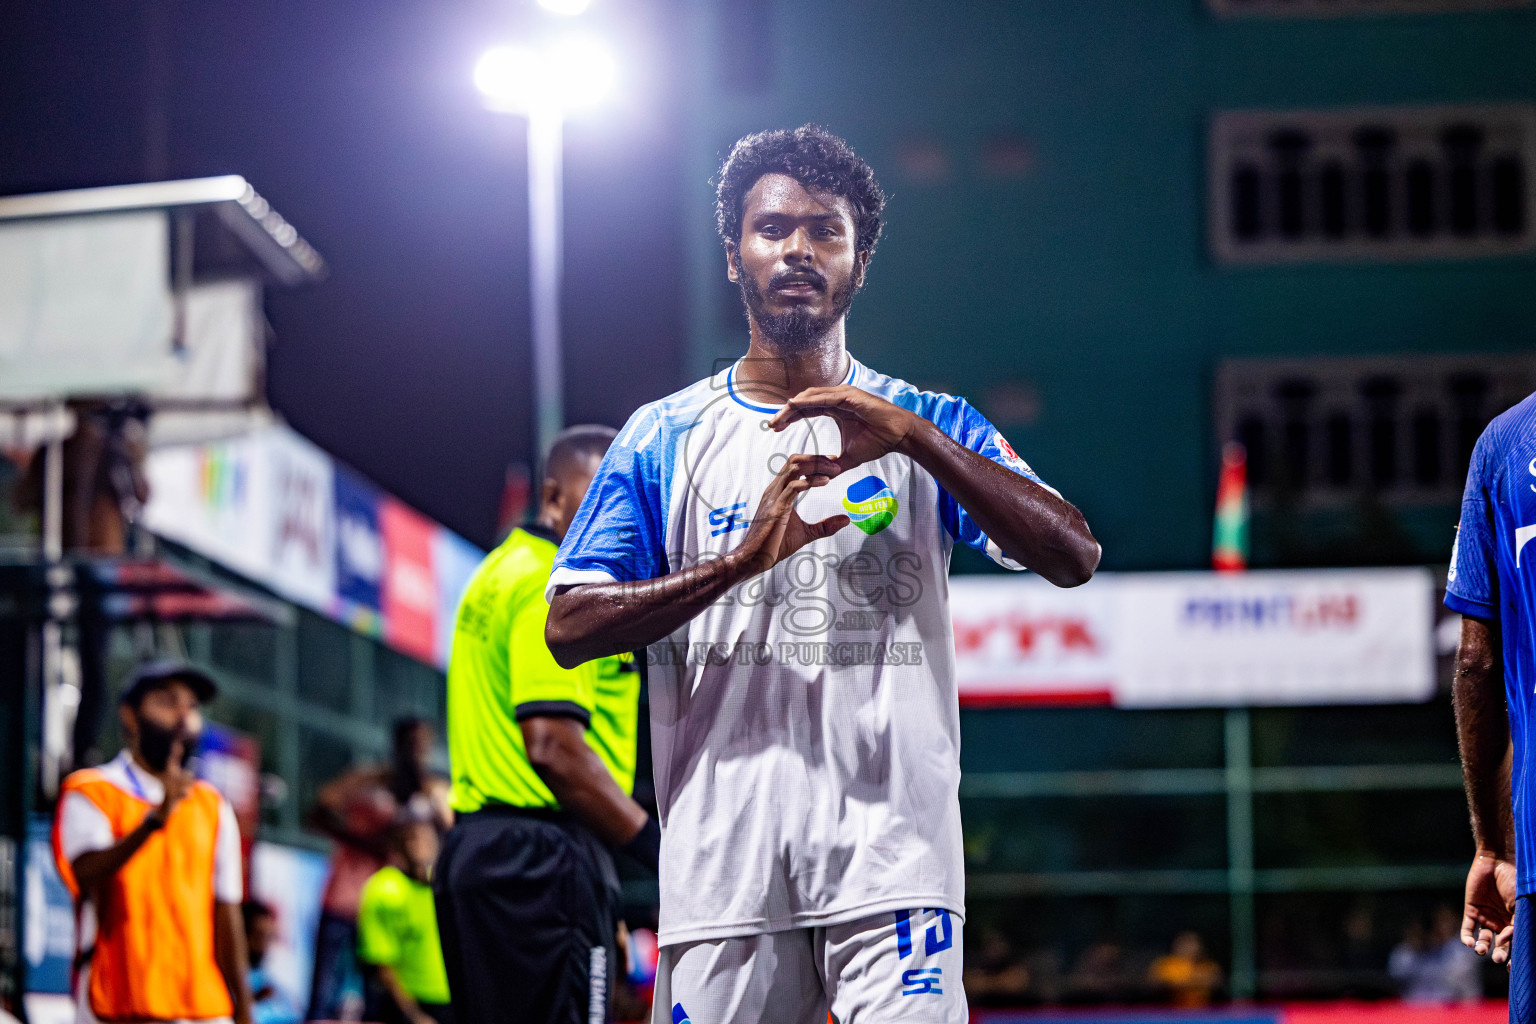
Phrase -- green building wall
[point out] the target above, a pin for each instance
(1083, 280)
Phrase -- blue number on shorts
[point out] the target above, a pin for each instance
(903, 934)
(941, 936)
(923, 981)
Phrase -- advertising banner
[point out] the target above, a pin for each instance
(1356, 636)
(1021, 640)
(359, 552)
(410, 584)
(1196, 639)
(454, 560)
(49, 941)
(213, 498)
(302, 563)
(290, 881)
(275, 508)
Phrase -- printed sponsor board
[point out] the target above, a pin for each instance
(290, 881)
(48, 941)
(454, 560)
(359, 552)
(275, 508)
(1198, 639)
(410, 584)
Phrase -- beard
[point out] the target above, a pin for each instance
(796, 329)
(156, 741)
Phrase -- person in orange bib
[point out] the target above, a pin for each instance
(152, 856)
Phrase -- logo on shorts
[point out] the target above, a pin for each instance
(922, 981)
(679, 1015)
(870, 504)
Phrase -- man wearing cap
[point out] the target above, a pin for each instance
(152, 856)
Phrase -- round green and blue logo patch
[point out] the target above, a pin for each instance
(870, 504)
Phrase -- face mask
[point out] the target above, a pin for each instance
(155, 742)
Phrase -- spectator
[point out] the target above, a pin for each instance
(997, 977)
(1437, 968)
(1186, 976)
(397, 927)
(356, 810)
(1101, 976)
(269, 1005)
(153, 857)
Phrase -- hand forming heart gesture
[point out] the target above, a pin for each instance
(870, 426)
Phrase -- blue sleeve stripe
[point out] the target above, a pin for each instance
(968, 427)
(1467, 606)
(619, 526)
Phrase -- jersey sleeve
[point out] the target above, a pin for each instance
(960, 420)
(1472, 584)
(540, 687)
(83, 827)
(228, 870)
(377, 942)
(618, 533)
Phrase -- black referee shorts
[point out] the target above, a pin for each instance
(526, 907)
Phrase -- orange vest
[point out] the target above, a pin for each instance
(154, 954)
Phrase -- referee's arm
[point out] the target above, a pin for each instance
(553, 714)
(557, 749)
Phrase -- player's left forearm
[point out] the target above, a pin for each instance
(1034, 527)
(229, 951)
(1482, 729)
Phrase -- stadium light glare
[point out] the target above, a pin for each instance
(582, 72)
(571, 74)
(544, 85)
(569, 8)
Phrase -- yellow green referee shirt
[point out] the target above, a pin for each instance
(500, 672)
(397, 928)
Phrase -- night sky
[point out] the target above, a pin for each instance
(360, 124)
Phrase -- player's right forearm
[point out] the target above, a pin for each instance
(1482, 729)
(596, 620)
(96, 866)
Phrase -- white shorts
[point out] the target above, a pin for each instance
(889, 967)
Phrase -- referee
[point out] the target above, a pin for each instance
(543, 762)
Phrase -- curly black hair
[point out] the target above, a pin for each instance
(812, 156)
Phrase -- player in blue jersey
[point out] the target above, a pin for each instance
(778, 536)
(1492, 583)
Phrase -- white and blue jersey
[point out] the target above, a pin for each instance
(1493, 577)
(805, 725)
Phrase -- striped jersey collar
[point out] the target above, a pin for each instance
(730, 385)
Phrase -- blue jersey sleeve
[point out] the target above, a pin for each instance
(1472, 585)
(618, 534)
(960, 420)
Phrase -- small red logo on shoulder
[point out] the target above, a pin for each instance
(1002, 442)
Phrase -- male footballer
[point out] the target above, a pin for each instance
(778, 535)
(1492, 583)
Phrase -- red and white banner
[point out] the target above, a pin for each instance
(1195, 639)
(1020, 640)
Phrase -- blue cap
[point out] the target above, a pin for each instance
(151, 675)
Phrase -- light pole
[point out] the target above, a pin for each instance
(543, 85)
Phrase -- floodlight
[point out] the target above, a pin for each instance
(543, 85)
(567, 75)
(566, 7)
(510, 78)
(582, 72)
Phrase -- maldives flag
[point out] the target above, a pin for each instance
(1229, 541)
